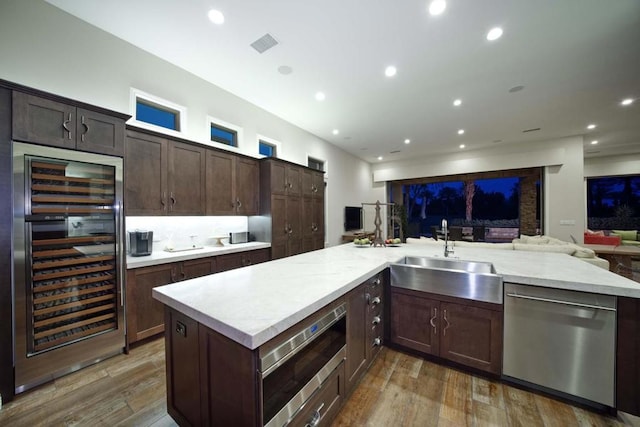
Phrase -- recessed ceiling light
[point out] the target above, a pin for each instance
(216, 17)
(285, 70)
(627, 101)
(462, 145)
(380, 157)
(460, 131)
(591, 126)
(594, 142)
(320, 96)
(494, 34)
(407, 141)
(390, 71)
(516, 89)
(335, 131)
(436, 7)
(457, 102)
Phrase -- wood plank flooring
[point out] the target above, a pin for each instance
(398, 390)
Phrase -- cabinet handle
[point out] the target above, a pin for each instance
(65, 123)
(377, 341)
(444, 316)
(290, 186)
(173, 276)
(315, 418)
(375, 301)
(163, 199)
(432, 321)
(290, 230)
(286, 229)
(376, 320)
(173, 199)
(376, 282)
(238, 203)
(86, 128)
(182, 273)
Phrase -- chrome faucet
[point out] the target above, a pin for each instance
(445, 230)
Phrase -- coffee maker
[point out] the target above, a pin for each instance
(140, 242)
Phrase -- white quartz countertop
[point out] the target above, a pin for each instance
(253, 304)
(159, 256)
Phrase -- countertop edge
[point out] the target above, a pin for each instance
(163, 257)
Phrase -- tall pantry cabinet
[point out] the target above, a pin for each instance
(291, 208)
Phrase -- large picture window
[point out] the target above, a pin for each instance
(613, 202)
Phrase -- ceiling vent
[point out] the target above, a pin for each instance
(264, 43)
(394, 151)
(530, 130)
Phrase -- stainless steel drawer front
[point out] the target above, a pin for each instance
(563, 340)
(279, 355)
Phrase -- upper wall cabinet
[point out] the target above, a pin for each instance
(163, 177)
(285, 178)
(232, 184)
(44, 121)
(312, 183)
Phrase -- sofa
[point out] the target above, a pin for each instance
(627, 237)
(528, 243)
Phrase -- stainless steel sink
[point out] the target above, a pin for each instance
(472, 280)
(449, 264)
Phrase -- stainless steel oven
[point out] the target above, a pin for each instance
(294, 370)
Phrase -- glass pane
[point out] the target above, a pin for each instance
(156, 116)
(266, 149)
(222, 135)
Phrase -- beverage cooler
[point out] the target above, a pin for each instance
(68, 261)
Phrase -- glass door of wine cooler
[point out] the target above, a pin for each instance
(69, 300)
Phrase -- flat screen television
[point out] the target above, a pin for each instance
(352, 218)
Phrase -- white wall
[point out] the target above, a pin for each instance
(562, 159)
(611, 166)
(48, 49)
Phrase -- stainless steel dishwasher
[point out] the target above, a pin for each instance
(561, 340)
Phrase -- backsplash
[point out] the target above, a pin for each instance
(177, 231)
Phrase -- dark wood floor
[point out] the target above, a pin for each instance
(398, 390)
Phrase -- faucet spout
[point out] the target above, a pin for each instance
(445, 231)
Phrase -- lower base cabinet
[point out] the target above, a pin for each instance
(628, 356)
(145, 314)
(462, 331)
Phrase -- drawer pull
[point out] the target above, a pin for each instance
(315, 419)
(433, 320)
(376, 320)
(377, 341)
(376, 300)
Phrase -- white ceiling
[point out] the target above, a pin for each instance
(577, 59)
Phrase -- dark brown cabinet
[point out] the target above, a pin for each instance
(241, 259)
(284, 178)
(232, 184)
(294, 222)
(49, 122)
(163, 177)
(463, 331)
(628, 356)
(365, 328)
(286, 217)
(145, 315)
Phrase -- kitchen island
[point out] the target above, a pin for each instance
(247, 308)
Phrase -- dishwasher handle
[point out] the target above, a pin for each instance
(555, 301)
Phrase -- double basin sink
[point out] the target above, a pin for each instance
(472, 280)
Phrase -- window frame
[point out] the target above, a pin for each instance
(222, 124)
(155, 101)
(270, 141)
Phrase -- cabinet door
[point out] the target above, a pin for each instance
(99, 133)
(472, 336)
(318, 222)
(414, 322)
(294, 219)
(229, 262)
(197, 268)
(279, 224)
(256, 256)
(145, 315)
(318, 184)
(308, 217)
(247, 186)
(186, 182)
(356, 337)
(278, 176)
(43, 121)
(294, 180)
(145, 175)
(220, 182)
(307, 182)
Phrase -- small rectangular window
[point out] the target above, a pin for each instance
(157, 115)
(315, 164)
(223, 135)
(266, 149)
